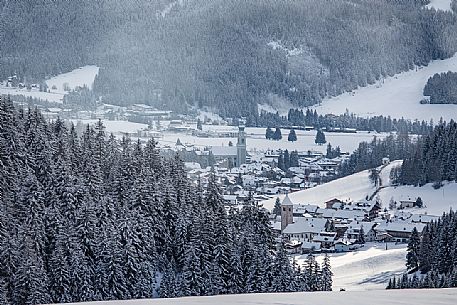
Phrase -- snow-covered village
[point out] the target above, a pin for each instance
(231, 152)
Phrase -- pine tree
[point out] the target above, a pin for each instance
(292, 137)
(269, 134)
(282, 272)
(326, 284)
(277, 207)
(277, 134)
(320, 137)
(412, 261)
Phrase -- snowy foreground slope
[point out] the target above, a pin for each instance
(397, 96)
(381, 297)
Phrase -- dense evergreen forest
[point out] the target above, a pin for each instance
(226, 55)
(442, 88)
(429, 158)
(433, 159)
(370, 154)
(432, 256)
(91, 217)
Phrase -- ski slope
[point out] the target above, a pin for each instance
(444, 5)
(80, 77)
(397, 96)
(381, 297)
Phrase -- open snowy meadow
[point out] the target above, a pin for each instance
(83, 76)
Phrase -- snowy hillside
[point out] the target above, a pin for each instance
(358, 186)
(397, 96)
(78, 77)
(444, 5)
(354, 187)
(436, 201)
(384, 297)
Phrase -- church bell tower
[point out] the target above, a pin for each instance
(287, 213)
(241, 144)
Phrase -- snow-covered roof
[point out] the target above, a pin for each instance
(223, 150)
(287, 201)
(302, 225)
(423, 218)
(400, 226)
(325, 237)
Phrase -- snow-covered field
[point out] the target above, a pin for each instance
(369, 268)
(78, 77)
(444, 5)
(397, 96)
(53, 97)
(381, 297)
(436, 201)
(255, 141)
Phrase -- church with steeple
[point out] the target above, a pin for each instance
(234, 155)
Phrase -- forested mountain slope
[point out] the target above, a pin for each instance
(228, 55)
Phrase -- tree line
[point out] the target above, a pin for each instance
(432, 159)
(300, 118)
(90, 217)
(441, 88)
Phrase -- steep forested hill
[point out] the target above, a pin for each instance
(229, 55)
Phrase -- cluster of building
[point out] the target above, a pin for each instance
(342, 226)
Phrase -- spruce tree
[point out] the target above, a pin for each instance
(292, 137)
(412, 261)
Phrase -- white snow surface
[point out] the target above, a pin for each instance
(381, 297)
(435, 201)
(256, 141)
(397, 96)
(444, 5)
(76, 78)
(54, 97)
(80, 77)
(115, 127)
(369, 268)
